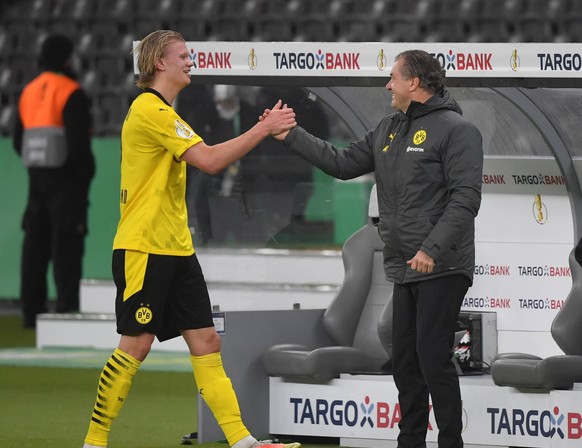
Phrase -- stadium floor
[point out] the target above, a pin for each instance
(159, 361)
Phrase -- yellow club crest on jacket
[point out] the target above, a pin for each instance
(419, 137)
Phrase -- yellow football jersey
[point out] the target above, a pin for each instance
(153, 217)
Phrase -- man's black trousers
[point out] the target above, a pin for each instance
(425, 317)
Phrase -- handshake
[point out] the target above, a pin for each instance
(278, 121)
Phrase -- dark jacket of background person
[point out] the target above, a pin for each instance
(55, 219)
(428, 163)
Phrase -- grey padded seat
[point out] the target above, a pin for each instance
(554, 372)
(356, 316)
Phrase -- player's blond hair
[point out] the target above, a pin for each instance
(149, 51)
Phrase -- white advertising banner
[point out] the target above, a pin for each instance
(524, 235)
(375, 59)
(366, 407)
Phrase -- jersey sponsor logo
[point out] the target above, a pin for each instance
(414, 149)
(183, 131)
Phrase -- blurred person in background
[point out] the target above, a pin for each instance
(221, 115)
(52, 135)
(196, 105)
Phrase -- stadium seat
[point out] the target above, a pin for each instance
(233, 9)
(149, 8)
(533, 29)
(556, 9)
(446, 29)
(228, 29)
(515, 8)
(358, 30)
(404, 29)
(144, 25)
(207, 8)
(493, 9)
(22, 69)
(489, 30)
(572, 29)
(279, 9)
(5, 80)
(404, 9)
(66, 26)
(540, 9)
(89, 81)
(7, 120)
(77, 10)
(573, 10)
(340, 9)
(22, 34)
(555, 372)
(315, 29)
(296, 8)
(273, 29)
(366, 8)
(105, 34)
(427, 9)
(468, 9)
(5, 43)
(110, 67)
(17, 10)
(113, 9)
(192, 27)
(443, 9)
(354, 320)
(131, 91)
(111, 110)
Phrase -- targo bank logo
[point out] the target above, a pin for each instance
(317, 60)
(210, 59)
(351, 413)
(536, 423)
(465, 61)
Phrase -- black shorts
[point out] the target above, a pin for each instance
(159, 294)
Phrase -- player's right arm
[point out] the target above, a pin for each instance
(214, 158)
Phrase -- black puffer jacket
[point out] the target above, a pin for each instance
(428, 165)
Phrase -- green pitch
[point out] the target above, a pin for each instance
(44, 406)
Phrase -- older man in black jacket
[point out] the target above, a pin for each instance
(428, 162)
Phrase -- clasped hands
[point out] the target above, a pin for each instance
(279, 120)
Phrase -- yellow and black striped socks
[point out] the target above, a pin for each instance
(112, 390)
(217, 391)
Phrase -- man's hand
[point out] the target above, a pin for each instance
(279, 134)
(422, 263)
(278, 120)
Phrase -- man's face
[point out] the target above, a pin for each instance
(400, 87)
(176, 63)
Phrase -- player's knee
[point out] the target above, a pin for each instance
(212, 342)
